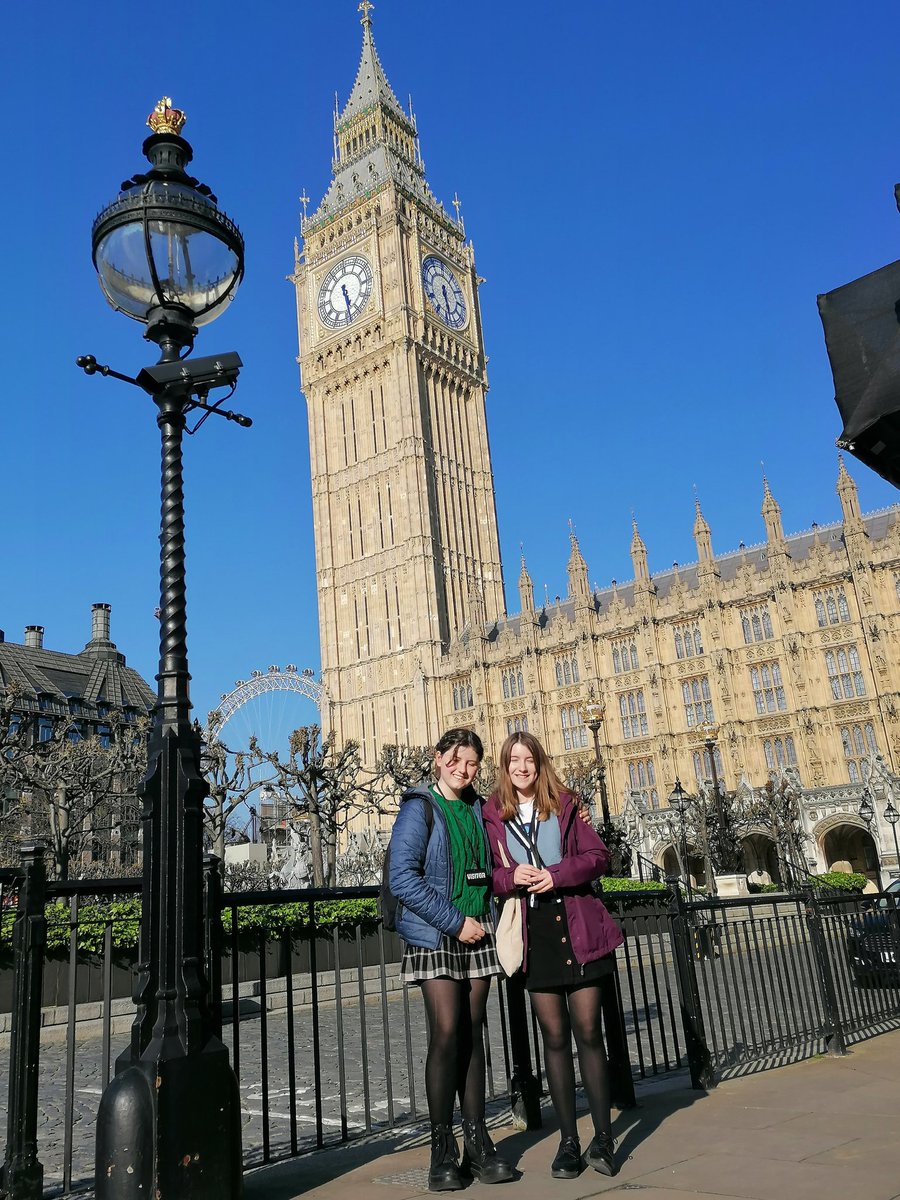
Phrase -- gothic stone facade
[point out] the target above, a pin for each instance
(789, 645)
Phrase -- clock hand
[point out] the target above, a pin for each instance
(446, 297)
(346, 296)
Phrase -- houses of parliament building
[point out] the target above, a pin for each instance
(789, 646)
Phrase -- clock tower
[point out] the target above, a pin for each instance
(393, 370)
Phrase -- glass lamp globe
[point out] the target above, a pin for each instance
(164, 253)
(679, 798)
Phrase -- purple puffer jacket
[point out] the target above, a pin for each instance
(585, 858)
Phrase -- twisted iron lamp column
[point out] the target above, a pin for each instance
(159, 1132)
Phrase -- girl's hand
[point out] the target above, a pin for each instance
(525, 875)
(543, 882)
(471, 932)
(584, 812)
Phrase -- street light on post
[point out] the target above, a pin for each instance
(679, 800)
(592, 712)
(709, 733)
(892, 817)
(867, 814)
(169, 1123)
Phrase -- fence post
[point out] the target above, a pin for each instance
(22, 1176)
(620, 1077)
(682, 932)
(525, 1093)
(834, 1036)
(212, 917)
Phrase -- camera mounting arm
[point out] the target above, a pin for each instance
(193, 378)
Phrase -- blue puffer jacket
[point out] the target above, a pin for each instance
(420, 875)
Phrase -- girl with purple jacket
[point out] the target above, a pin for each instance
(544, 855)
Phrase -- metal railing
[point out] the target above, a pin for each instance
(329, 1046)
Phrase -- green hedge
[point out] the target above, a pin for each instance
(613, 885)
(632, 893)
(272, 920)
(841, 881)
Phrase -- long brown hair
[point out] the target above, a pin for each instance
(547, 786)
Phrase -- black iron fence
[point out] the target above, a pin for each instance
(328, 1046)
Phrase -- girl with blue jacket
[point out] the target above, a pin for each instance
(440, 873)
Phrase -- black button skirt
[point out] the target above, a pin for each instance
(551, 960)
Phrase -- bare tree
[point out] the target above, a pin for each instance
(776, 806)
(71, 783)
(233, 777)
(322, 782)
(581, 775)
(361, 863)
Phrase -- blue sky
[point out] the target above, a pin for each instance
(656, 194)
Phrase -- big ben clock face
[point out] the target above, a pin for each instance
(444, 292)
(345, 291)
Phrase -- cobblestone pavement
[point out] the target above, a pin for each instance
(365, 1089)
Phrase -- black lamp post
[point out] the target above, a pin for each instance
(892, 817)
(679, 800)
(710, 735)
(867, 813)
(169, 1122)
(593, 713)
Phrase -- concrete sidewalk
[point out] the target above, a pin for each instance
(823, 1129)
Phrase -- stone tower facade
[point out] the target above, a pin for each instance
(789, 649)
(393, 370)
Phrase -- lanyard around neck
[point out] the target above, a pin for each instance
(527, 837)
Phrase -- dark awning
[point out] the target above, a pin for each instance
(862, 334)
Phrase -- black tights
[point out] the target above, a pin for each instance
(561, 1013)
(455, 1062)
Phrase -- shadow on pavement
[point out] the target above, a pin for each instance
(294, 1177)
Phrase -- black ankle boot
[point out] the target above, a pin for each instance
(567, 1164)
(600, 1154)
(443, 1174)
(479, 1155)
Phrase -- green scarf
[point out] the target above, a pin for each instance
(468, 851)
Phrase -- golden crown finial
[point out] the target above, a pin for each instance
(165, 118)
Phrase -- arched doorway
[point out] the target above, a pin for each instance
(850, 844)
(669, 860)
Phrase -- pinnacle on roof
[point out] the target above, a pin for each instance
(371, 85)
(845, 479)
(637, 542)
(701, 525)
(846, 489)
(576, 558)
(769, 501)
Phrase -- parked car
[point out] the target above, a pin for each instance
(874, 940)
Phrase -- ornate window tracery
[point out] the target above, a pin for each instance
(688, 640)
(697, 698)
(624, 656)
(756, 624)
(642, 778)
(768, 688)
(566, 666)
(633, 713)
(831, 607)
(857, 742)
(574, 732)
(845, 673)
